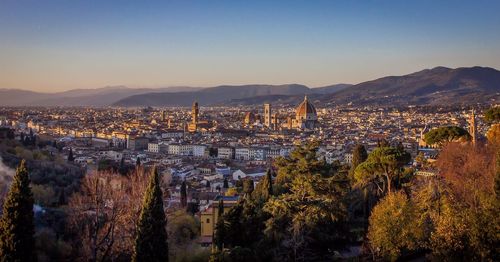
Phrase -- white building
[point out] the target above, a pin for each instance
(199, 150)
(154, 147)
(225, 153)
(110, 154)
(174, 149)
(257, 153)
(180, 149)
(273, 152)
(242, 153)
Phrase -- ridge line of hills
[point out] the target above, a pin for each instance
(439, 85)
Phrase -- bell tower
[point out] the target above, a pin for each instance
(473, 127)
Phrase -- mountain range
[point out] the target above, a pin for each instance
(79, 97)
(439, 85)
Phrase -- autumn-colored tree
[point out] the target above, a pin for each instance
(493, 135)
(248, 187)
(393, 226)
(182, 229)
(470, 170)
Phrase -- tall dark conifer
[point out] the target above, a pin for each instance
(122, 169)
(359, 155)
(264, 189)
(71, 158)
(151, 241)
(183, 194)
(16, 225)
(220, 228)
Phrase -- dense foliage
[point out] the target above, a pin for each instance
(302, 209)
(492, 115)
(151, 240)
(16, 224)
(446, 134)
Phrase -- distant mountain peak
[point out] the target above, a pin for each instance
(439, 85)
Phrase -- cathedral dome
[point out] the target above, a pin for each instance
(306, 111)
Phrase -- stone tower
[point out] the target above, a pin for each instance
(267, 115)
(195, 111)
(473, 127)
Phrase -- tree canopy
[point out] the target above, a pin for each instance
(383, 168)
(151, 241)
(446, 134)
(492, 115)
(16, 224)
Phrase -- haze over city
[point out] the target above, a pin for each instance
(52, 46)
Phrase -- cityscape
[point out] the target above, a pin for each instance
(401, 165)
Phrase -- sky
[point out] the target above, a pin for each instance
(59, 45)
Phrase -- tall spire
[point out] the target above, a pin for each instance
(473, 127)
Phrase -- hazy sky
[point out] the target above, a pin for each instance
(57, 45)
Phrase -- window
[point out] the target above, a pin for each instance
(208, 220)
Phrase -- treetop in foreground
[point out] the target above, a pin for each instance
(16, 225)
(151, 241)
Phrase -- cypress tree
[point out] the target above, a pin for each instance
(220, 228)
(138, 162)
(183, 194)
(226, 184)
(122, 169)
(71, 158)
(62, 197)
(359, 155)
(151, 241)
(16, 225)
(264, 189)
(268, 185)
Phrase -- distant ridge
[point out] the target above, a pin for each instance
(104, 96)
(439, 85)
(212, 95)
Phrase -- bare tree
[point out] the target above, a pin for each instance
(104, 214)
(469, 169)
(95, 213)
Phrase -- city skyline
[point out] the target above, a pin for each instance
(56, 45)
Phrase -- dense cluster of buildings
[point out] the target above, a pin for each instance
(211, 146)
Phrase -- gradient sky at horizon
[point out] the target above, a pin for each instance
(59, 45)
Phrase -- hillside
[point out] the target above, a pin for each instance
(213, 95)
(435, 86)
(78, 97)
